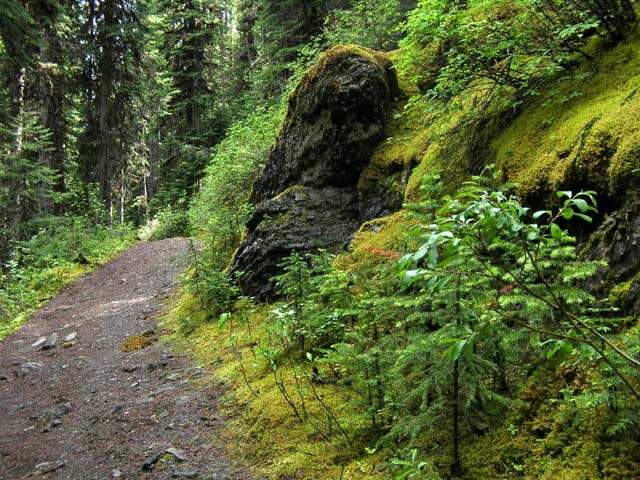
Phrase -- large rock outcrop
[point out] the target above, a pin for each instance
(307, 196)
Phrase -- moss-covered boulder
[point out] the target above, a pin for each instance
(307, 196)
(335, 119)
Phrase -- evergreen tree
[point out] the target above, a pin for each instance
(194, 51)
(112, 33)
(246, 50)
(50, 18)
(285, 26)
(32, 132)
(25, 180)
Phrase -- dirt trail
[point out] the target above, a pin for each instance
(85, 410)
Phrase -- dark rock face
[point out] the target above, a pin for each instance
(307, 196)
(617, 242)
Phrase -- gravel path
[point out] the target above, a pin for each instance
(83, 409)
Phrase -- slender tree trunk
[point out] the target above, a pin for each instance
(52, 115)
(145, 194)
(19, 103)
(122, 197)
(15, 213)
(456, 466)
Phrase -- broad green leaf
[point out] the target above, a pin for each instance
(586, 218)
(556, 231)
(567, 213)
(454, 351)
(581, 204)
(565, 193)
(541, 213)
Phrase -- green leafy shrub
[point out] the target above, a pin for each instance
(218, 213)
(371, 24)
(169, 222)
(486, 47)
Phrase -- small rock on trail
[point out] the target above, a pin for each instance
(94, 411)
(50, 342)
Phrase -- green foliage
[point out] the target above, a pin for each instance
(15, 26)
(169, 222)
(436, 355)
(586, 141)
(286, 26)
(414, 468)
(26, 192)
(65, 240)
(371, 24)
(219, 211)
(214, 289)
(193, 50)
(534, 265)
(503, 52)
(521, 276)
(317, 300)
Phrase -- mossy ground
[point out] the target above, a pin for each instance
(585, 129)
(538, 438)
(262, 428)
(583, 133)
(136, 342)
(377, 242)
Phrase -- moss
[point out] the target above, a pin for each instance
(377, 242)
(427, 165)
(458, 143)
(260, 427)
(543, 439)
(394, 159)
(619, 294)
(405, 83)
(391, 165)
(136, 342)
(334, 56)
(624, 168)
(400, 150)
(292, 189)
(582, 133)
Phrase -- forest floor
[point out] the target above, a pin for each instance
(91, 404)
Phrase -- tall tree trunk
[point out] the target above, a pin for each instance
(123, 191)
(16, 216)
(52, 114)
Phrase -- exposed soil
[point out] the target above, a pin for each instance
(84, 409)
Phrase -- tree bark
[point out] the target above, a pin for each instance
(52, 92)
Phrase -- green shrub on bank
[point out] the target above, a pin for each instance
(169, 222)
(220, 209)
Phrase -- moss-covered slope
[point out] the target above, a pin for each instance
(583, 133)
